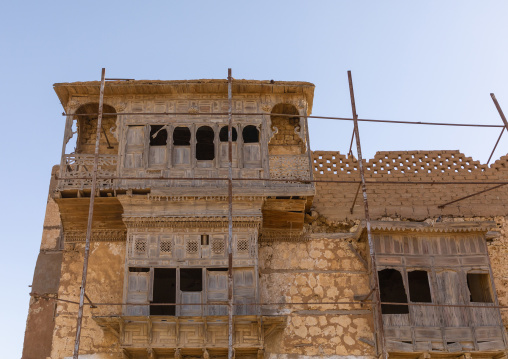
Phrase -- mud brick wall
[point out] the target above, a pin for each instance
(409, 201)
(321, 270)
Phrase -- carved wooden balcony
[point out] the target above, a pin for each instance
(163, 335)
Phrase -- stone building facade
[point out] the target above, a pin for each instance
(301, 261)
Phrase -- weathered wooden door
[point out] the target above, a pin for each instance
(138, 292)
(217, 291)
(244, 291)
(134, 147)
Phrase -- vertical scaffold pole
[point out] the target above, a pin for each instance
(230, 216)
(90, 216)
(378, 319)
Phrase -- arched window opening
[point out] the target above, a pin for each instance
(250, 134)
(287, 140)
(223, 134)
(419, 288)
(205, 149)
(391, 287)
(87, 129)
(181, 136)
(158, 135)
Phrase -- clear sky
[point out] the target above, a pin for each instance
(411, 60)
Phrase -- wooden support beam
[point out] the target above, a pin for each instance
(367, 341)
(465, 356)
(424, 356)
(150, 330)
(358, 255)
(125, 354)
(270, 330)
(151, 353)
(113, 331)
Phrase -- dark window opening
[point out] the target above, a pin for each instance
(164, 291)
(181, 136)
(250, 134)
(138, 270)
(479, 287)
(191, 280)
(204, 239)
(392, 290)
(158, 135)
(419, 288)
(205, 149)
(223, 134)
(217, 269)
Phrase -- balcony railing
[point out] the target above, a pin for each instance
(76, 171)
(290, 167)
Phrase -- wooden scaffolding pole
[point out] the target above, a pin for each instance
(90, 216)
(378, 319)
(230, 217)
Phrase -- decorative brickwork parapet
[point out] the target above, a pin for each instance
(422, 163)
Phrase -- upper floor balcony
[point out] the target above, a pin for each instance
(268, 152)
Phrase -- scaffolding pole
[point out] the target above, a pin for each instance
(378, 320)
(230, 216)
(90, 217)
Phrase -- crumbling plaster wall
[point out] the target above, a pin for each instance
(320, 270)
(104, 285)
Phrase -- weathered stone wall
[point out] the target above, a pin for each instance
(319, 271)
(409, 201)
(104, 285)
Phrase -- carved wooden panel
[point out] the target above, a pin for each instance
(164, 333)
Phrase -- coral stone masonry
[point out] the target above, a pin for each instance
(302, 284)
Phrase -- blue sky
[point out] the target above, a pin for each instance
(411, 60)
